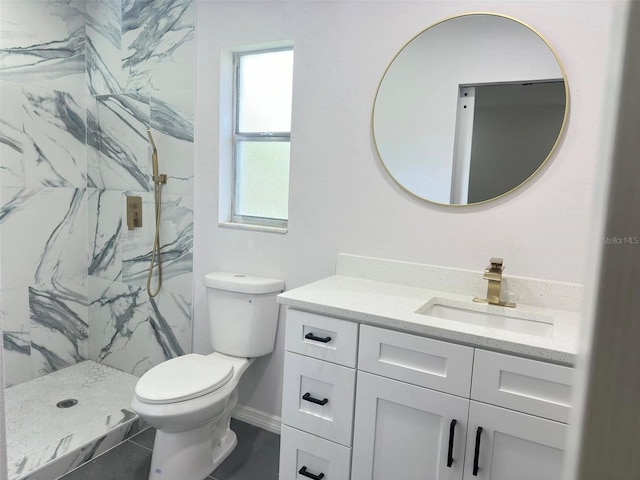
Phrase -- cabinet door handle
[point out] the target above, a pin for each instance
(311, 336)
(477, 452)
(307, 396)
(452, 432)
(303, 471)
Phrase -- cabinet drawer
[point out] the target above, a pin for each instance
(528, 386)
(319, 457)
(326, 338)
(318, 397)
(421, 361)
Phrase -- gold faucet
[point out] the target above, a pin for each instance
(493, 273)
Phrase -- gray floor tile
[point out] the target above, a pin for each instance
(145, 438)
(127, 461)
(255, 457)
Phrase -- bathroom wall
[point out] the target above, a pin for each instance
(80, 82)
(43, 219)
(141, 73)
(342, 200)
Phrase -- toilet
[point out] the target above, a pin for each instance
(189, 399)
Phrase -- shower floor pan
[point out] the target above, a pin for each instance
(61, 420)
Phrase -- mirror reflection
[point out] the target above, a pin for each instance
(470, 109)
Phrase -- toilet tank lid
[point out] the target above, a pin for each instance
(237, 282)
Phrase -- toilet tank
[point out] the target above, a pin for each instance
(243, 313)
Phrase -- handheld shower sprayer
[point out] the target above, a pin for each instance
(154, 160)
(158, 181)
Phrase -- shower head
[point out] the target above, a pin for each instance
(154, 160)
(153, 144)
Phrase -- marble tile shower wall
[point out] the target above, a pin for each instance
(80, 82)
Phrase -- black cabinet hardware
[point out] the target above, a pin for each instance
(311, 336)
(303, 471)
(477, 452)
(307, 396)
(452, 431)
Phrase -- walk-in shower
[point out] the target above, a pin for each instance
(80, 83)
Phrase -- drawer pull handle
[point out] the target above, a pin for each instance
(311, 336)
(307, 396)
(477, 452)
(303, 471)
(452, 431)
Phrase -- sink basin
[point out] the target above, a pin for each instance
(493, 316)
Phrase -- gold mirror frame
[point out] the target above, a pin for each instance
(551, 151)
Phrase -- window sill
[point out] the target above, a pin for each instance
(256, 228)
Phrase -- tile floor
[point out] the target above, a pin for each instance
(255, 457)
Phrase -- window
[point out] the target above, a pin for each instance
(261, 137)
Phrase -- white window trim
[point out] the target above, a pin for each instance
(228, 129)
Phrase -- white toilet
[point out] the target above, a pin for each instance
(189, 399)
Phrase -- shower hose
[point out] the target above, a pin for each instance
(158, 181)
(155, 251)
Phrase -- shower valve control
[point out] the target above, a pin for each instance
(134, 212)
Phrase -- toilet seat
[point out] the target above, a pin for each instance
(183, 378)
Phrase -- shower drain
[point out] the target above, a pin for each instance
(69, 402)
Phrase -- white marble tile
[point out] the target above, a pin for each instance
(172, 124)
(120, 327)
(16, 332)
(55, 136)
(137, 243)
(158, 41)
(123, 161)
(12, 138)
(42, 43)
(59, 325)
(170, 319)
(104, 46)
(105, 226)
(93, 140)
(43, 234)
(176, 240)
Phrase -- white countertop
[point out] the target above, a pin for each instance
(393, 306)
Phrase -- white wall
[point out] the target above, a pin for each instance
(341, 199)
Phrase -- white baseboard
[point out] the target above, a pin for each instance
(257, 418)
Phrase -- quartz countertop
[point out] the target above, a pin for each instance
(394, 306)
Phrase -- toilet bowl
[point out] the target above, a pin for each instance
(189, 399)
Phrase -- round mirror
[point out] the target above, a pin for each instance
(470, 109)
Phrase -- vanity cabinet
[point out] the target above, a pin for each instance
(318, 397)
(388, 404)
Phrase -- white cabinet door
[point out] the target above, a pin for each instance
(404, 431)
(512, 445)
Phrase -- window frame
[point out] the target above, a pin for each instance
(238, 137)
